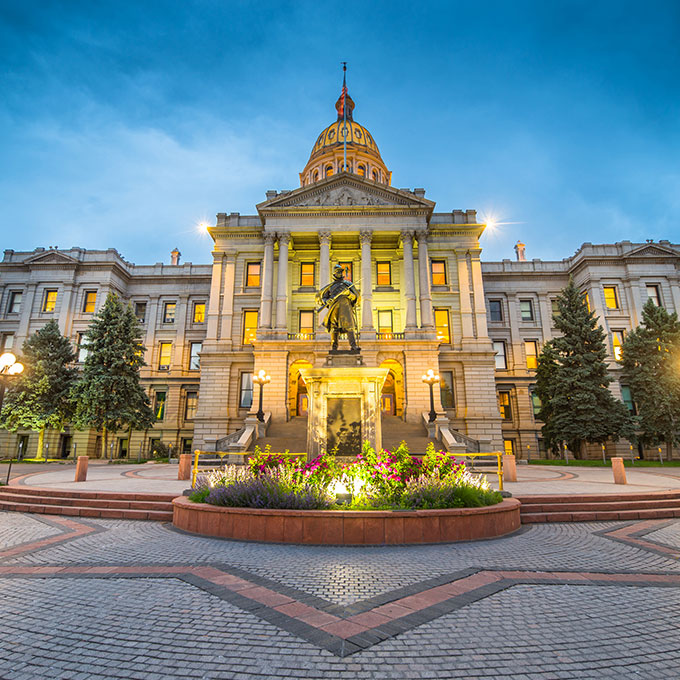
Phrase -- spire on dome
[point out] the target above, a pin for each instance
(344, 97)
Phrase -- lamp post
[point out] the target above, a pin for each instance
(430, 378)
(261, 378)
(9, 366)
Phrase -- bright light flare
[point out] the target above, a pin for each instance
(6, 360)
(15, 369)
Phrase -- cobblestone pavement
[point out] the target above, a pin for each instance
(124, 599)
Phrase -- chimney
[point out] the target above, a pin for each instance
(174, 256)
(519, 250)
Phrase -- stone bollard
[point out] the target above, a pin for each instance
(184, 470)
(509, 468)
(81, 469)
(619, 471)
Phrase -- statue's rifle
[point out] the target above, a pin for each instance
(327, 303)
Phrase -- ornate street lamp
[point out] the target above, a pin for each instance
(261, 378)
(9, 366)
(430, 378)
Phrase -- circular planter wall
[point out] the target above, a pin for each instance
(347, 527)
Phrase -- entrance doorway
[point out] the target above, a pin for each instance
(298, 403)
(392, 397)
(388, 401)
(65, 445)
(303, 403)
(123, 448)
(387, 404)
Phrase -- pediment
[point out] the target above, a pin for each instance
(655, 250)
(51, 257)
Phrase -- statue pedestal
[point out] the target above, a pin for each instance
(343, 409)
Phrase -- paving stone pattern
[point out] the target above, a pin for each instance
(138, 600)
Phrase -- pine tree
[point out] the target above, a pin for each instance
(40, 397)
(651, 367)
(572, 381)
(109, 396)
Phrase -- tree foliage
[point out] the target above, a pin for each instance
(40, 397)
(651, 368)
(109, 395)
(572, 380)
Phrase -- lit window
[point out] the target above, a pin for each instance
(82, 349)
(509, 447)
(384, 273)
(526, 308)
(531, 350)
(438, 272)
(329, 170)
(14, 306)
(246, 398)
(249, 327)
(89, 301)
(140, 311)
(169, 310)
(253, 270)
(627, 398)
(446, 389)
(195, 356)
(316, 176)
(199, 312)
(307, 274)
(159, 405)
(306, 321)
(165, 356)
(191, 406)
(617, 344)
(7, 342)
(535, 402)
(361, 170)
(495, 310)
(385, 321)
(611, 297)
(348, 269)
(186, 444)
(501, 359)
(504, 405)
(50, 301)
(653, 294)
(441, 323)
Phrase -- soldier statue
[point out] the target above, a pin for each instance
(340, 297)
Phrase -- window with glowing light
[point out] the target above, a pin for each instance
(509, 447)
(165, 356)
(442, 326)
(307, 277)
(617, 344)
(611, 297)
(385, 321)
(531, 351)
(438, 272)
(169, 311)
(89, 301)
(361, 170)
(329, 170)
(49, 301)
(253, 270)
(383, 273)
(199, 312)
(348, 269)
(306, 321)
(504, 405)
(249, 326)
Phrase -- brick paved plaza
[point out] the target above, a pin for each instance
(126, 599)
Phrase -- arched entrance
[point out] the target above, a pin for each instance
(297, 390)
(392, 398)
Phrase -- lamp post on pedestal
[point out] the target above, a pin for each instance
(261, 378)
(431, 379)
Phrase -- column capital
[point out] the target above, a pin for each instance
(269, 238)
(407, 235)
(422, 235)
(284, 238)
(365, 236)
(325, 237)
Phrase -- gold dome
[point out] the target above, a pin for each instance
(363, 156)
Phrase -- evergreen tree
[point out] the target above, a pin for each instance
(40, 397)
(109, 397)
(572, 380)
(651, 367)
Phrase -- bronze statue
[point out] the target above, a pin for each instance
(340, 297)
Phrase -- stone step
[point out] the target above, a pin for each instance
(112, 495)
(65, 499)
(83, 511)
(597, 498)
(598, 516)
(601, 506)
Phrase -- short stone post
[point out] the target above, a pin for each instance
(81, 469)
(619, 471)
(509, 468)
(184, 470)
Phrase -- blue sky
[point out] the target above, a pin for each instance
(124, 124)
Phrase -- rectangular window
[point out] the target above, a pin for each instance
(627, 398)
(501, 358)
(253, 270)
(554, 305)
(617, 344)
(7, 342)
(348, 269)
(195, 356)
(186, 444)
(199, 312)
(504, 405)
(49, 301)
(246, 398)
(526, 309)
(441, 323)
(611, 297)
(14, 306)
(165, 356)
(495, 310)
(531, 351)
(446, 389)
(159, 405)
(249, 327)
(169, 311)
(82, 350)
(140, 311)
(191, 405)
(307, 277)
(385, 321)
(653, 294)
(89, 301)
(535, 402)
(307, 321)
(438, 270)
(383, 273)
(509, 447)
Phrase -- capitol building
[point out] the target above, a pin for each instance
(428, 300)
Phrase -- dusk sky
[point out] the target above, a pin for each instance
(124, 124)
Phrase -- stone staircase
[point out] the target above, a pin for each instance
(104, 504)
(599, 507)
(281, 436)
(395, 430)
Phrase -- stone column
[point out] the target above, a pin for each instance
(324, 258)
(478, 292)
(180, 324)
(228, 299)
(282, 284)
(426, 315)
(66, 310)
(366, 283)
(409, 275)
(464, 292)
(214, 302)
(267, 281)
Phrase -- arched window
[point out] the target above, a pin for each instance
(329, 170)
(375, 176)
(361, 170)
(316, 176)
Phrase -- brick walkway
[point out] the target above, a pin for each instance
(125, 599)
